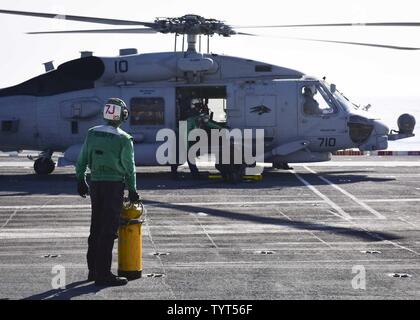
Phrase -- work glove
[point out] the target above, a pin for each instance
(82, 188)
(133, 196)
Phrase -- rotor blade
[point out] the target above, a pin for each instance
(134, 30)
(77, 18)
(367, 24)
(375, 45)
(246, 34)
(384, 46)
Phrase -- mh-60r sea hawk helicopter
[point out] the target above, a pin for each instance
(304, 119)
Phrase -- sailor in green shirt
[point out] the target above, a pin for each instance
(198, 118)
(108, 153)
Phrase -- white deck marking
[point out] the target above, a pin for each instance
(9, 219)
(44, 233)
(345, 214)
(148, 232)
(362, 204)
(333, 163)
(400, 246)
(55, 196)
(364, 164)
(364, 229)
(16, 164)
(310, 232)
(205, 232)
(341, 213)
(242, 203)
(391, 200)
(51, 206)
(148, 195)
(192, 204)
(409, 222)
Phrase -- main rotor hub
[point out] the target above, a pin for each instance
(192, 24)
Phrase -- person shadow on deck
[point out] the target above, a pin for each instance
(75, 289)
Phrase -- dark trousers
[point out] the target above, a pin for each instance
(107, 202)
(193, 168)
(174, 167)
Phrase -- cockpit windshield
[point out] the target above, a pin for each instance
(345, 102)
(342, 99)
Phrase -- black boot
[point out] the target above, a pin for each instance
(286, 166)
(110, 280)
(91, 276)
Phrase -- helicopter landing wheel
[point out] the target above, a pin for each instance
(232, 173)
(44, 166)
(282, 166)
(233, 177)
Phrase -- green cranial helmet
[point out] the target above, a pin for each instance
(115, 112)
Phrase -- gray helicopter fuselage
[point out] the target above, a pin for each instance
(55, 110)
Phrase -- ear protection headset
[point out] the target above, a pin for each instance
(116, 110)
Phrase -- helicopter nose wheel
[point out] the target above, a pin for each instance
(231, 173)
(282, 166)
(44, 165)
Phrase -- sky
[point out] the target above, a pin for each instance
(365, 74)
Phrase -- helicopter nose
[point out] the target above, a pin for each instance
(380, 136)
(381, 129)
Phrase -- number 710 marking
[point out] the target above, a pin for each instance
(327, 142)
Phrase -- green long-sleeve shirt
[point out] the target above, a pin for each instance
(109, 154)
(193, 122)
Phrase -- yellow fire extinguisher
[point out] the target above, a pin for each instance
(130, 241)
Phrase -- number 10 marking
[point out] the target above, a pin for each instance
(121, 66)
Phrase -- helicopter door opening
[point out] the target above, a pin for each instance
(210, 100)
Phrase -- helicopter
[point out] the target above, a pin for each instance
(304, 119)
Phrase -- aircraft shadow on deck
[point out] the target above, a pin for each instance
(65, 183)
(58, 184)
(351, 232)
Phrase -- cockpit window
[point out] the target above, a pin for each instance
(316, 101)
(342, 100)
(345, 102)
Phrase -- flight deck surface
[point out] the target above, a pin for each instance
(310, 233)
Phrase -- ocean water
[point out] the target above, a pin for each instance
(388, 109)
